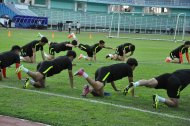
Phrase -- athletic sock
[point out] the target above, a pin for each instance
(85, 75)
(25, 69)
(85, 57)
(110, 55)
(161, 99)
(32, 81)
(136, 84)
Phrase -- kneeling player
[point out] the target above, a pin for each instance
(55, 47)
(8, 58)
(28, 51)
(49, 68)
(92, 50)
(121, 51)
(176, 56)
(108, 74)
(173, 83)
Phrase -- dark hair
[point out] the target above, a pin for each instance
(187, 43)
(71, 53)
(44, 40)
(74, 42)
(101, 42)
(15, 47)
(132, 62)
(132, 47)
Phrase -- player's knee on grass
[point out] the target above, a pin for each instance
(174, 102)
(97, 93)
(39, 76)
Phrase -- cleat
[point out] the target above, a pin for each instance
(168, 59)
(26, 83)
(107, 56)
(155, 101)
(80, 56)
(79, 72)
(19, 69)
(86, 90)
(128, 89)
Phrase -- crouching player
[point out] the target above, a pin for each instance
(176, 56)
(49, 68)
(55, 47)
(8, 58)
(173, 83)
(108, 74)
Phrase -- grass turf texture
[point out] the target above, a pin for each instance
(63, 111)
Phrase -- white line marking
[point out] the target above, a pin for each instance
(100, 102)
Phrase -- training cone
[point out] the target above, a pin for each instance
(90, 36)
(53, 35)
(9, 34)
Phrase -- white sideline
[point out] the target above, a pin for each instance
(100, 102)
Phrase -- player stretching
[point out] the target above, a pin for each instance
(92, 50)
(55, 47)
(121, 52)
(8, 58)
(176, 56)
(49, 68)
(173, 83)
(28, 51)
(108, 74)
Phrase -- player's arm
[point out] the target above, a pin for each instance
(180, 57)
(43, 56)
(113, 86)
(19, 73)
(187, 56)
(34, 55)
(71, 77)
(129, 54)
(132, 91)
(94, 55)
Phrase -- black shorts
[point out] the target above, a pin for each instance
(173, 56)
(25, 53)
(45, 68)
(119, 51)
(51, 50)
(102, 75)
(0, 63)
(171, 83)
(87, 49)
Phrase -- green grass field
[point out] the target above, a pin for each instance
(59, 105)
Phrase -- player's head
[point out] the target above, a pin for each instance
(44, 40)
(187, 43)
(74, 42)
(71, 54)
(16, 49)
(101, 43)
(132, 62)
(132, 48)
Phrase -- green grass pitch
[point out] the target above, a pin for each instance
(62, 111)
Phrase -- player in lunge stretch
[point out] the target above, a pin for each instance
(108, 74)
(176, 56)
(8, 58)
(122, 52)
(173, 83)
(28, 51)
(49, 68)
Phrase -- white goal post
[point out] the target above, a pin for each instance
(167, 27)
